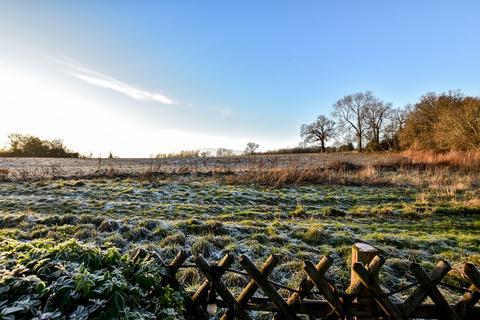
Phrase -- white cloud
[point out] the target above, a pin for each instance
(46, 107)
(88, 75)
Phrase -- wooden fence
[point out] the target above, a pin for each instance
(317, 297)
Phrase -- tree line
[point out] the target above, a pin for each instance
(24, 145)
(446, 121)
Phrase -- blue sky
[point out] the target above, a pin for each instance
(143, 77)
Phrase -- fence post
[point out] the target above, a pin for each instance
(364, 253)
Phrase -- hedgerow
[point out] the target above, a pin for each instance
(43, 279)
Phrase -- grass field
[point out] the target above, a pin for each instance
(23, 168)
(204, 214)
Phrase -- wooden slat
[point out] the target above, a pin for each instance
(373, 268)
(177, 262)
(221, 289)
(252, 286)
(306, 285)
(473, 274)
(370, 283)
(419, 294)
(297, 303)
(267, 287)
(446, 311)
(364, 253)
(469, 299)
(172, 269)
(325, 289)
(202, 292)
(322, 309)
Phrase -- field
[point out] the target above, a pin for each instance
(410, 212)
(23, 168)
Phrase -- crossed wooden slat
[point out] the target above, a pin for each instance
(222, 290)
(251, 287)
(419, 294)
(325, 288)
(200, 295)
(383, 301)
(306, 285)
(267, 288)
(173, 282)
(373, 268)
(287, 309)
(430, 287)
(469, 299)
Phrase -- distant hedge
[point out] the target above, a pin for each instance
(22, 145)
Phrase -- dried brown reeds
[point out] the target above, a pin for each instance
(440, 171)
(335, 172)
(459, 159)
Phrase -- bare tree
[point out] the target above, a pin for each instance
(376, 114)
(397, 119)
(251, 148)
(319, 131)
(223, 152)
(351, 110)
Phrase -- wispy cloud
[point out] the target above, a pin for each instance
(91, 76)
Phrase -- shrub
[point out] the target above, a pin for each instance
(298, 212)
(333, 212)
(47, 280)
(447, 121)
(22, 145)
(202, 246)
(312, 236)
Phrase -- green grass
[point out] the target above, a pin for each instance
(202, 216)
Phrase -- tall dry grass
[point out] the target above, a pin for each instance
(459, 159)
(333, 173)
(447, 173)
(439, 177)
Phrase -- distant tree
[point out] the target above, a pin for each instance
(346, 147)
(181, 154)
(302, 145)
(351, 113)
(459, 129)
(397, 119)
(251, 148)
(223, 152)
(376, 116)
(22, 145)
(419, 129)
(321, 130)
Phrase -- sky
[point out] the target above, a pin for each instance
(144, 77)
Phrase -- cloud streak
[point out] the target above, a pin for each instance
(98, 79)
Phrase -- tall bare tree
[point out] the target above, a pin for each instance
(351, 112)
(321, 130)
(397, 119)
(376, 114)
